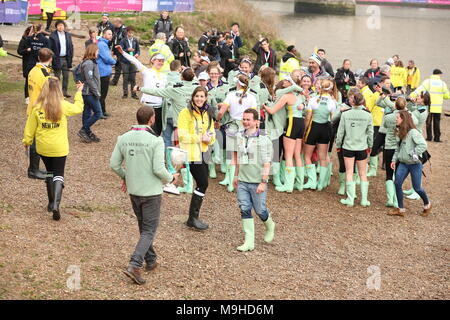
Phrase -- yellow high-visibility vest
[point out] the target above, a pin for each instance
(48, 6)
(287, 67)
(438, 92)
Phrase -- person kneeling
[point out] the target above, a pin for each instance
(251, 178)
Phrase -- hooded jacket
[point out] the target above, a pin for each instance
(104, 61)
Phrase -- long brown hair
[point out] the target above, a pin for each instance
(407, 124)
(208, 110)
(90, 52)
(268, 78)
(50, 99)
(245, 80)
(328, 86)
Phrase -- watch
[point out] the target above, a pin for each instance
(265, 181)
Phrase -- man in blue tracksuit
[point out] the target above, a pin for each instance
(105, 62)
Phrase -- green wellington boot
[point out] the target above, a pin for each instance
(223, 164)
(413, 196)
(299, 178)
(212, 170)
(390, 192)
(323, 176)
(187, 181)
(276, 174)
(364, 193)
(270, 230)
(341, 190)
(373, 166)
(224, 182)
(232, 170)
(351, 190)
(288, 185)
(312, 177)
(356, 177)
(283, 171)
(329, 173)
(248, 226)
(408, 192)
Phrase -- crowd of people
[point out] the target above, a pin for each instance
(257, 120)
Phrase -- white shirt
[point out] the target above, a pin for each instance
(152, 79)
(237, 109)
(62, 42)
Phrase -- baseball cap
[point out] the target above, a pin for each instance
(203, 76)
(205, 58)
(158, 56)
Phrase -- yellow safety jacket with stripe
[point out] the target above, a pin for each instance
(399, 76)
(438, 92)
(48, 6)
(287, 67)
(160, 47)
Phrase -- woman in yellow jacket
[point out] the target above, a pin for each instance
(196, 133)
(47, 123)
(413, 81)
(399, 75)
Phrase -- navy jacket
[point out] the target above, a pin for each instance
(36, 43)
(125, 44)
(55, 45)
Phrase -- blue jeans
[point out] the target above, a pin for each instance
(92, 112)
(401, 173)
(168, 133)
(248, 199)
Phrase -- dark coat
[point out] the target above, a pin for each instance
(164, 26)
(118, 35)
(225, 55)
(101, 27)
(125, 44)
(328, 67)
(36, 43)
(179, 46)
(340, 80)
(261, 58)
(26, 55)
(55, 45)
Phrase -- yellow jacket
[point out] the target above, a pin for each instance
(287, 67)
(399, 76)
(48, 6)
(192, 125)
(413, 78)
(376, 111)
(36, 79)
(438, 92)
(51, 137)
(160, 47)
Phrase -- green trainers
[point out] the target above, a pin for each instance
(364, 193)
(350, 187)
(288, 185)
(312, 177)
(373, 167)
(270, 230)
(248, 226)
(299, 178)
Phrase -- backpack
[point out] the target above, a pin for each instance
(78, 73)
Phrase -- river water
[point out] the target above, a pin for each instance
(415, 34)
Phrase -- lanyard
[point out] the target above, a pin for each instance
(267, 56)
(130, 41)
(247, 138)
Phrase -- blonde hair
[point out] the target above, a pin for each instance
(50, 99)
(245, 80)
(328, 86)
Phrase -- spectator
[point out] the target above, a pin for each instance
(160, 47)
(164, 25)
(92, 38)
(180, 47)
(235, 33)
(204, 62)
(325, 64)
(36, 42)
(374, 69)
(105, 62)
(413, 77)
(25, 53)
(265, 55)
(345, 79)
(119, 33)
(289, 63)
(315, 71)
(104, 24)
(131, 46)
(48, 7)
(229, 55)
(62, 46)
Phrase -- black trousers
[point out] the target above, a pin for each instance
(378, 143)
(104, 84)
(55, 165)
(387, 157)
(49, 19)
(434, 122)
(129, 76)
(65, 74)
(117, 72)
(157, 126)
(200, 173)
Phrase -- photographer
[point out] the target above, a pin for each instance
(229, 55)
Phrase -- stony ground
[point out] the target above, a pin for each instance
(322, 250)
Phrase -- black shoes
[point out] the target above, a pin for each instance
(84, 136)
(93, 137)
(125, 96)
(33, 169)
(135, 275)
(135, 96)
(194, 211)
